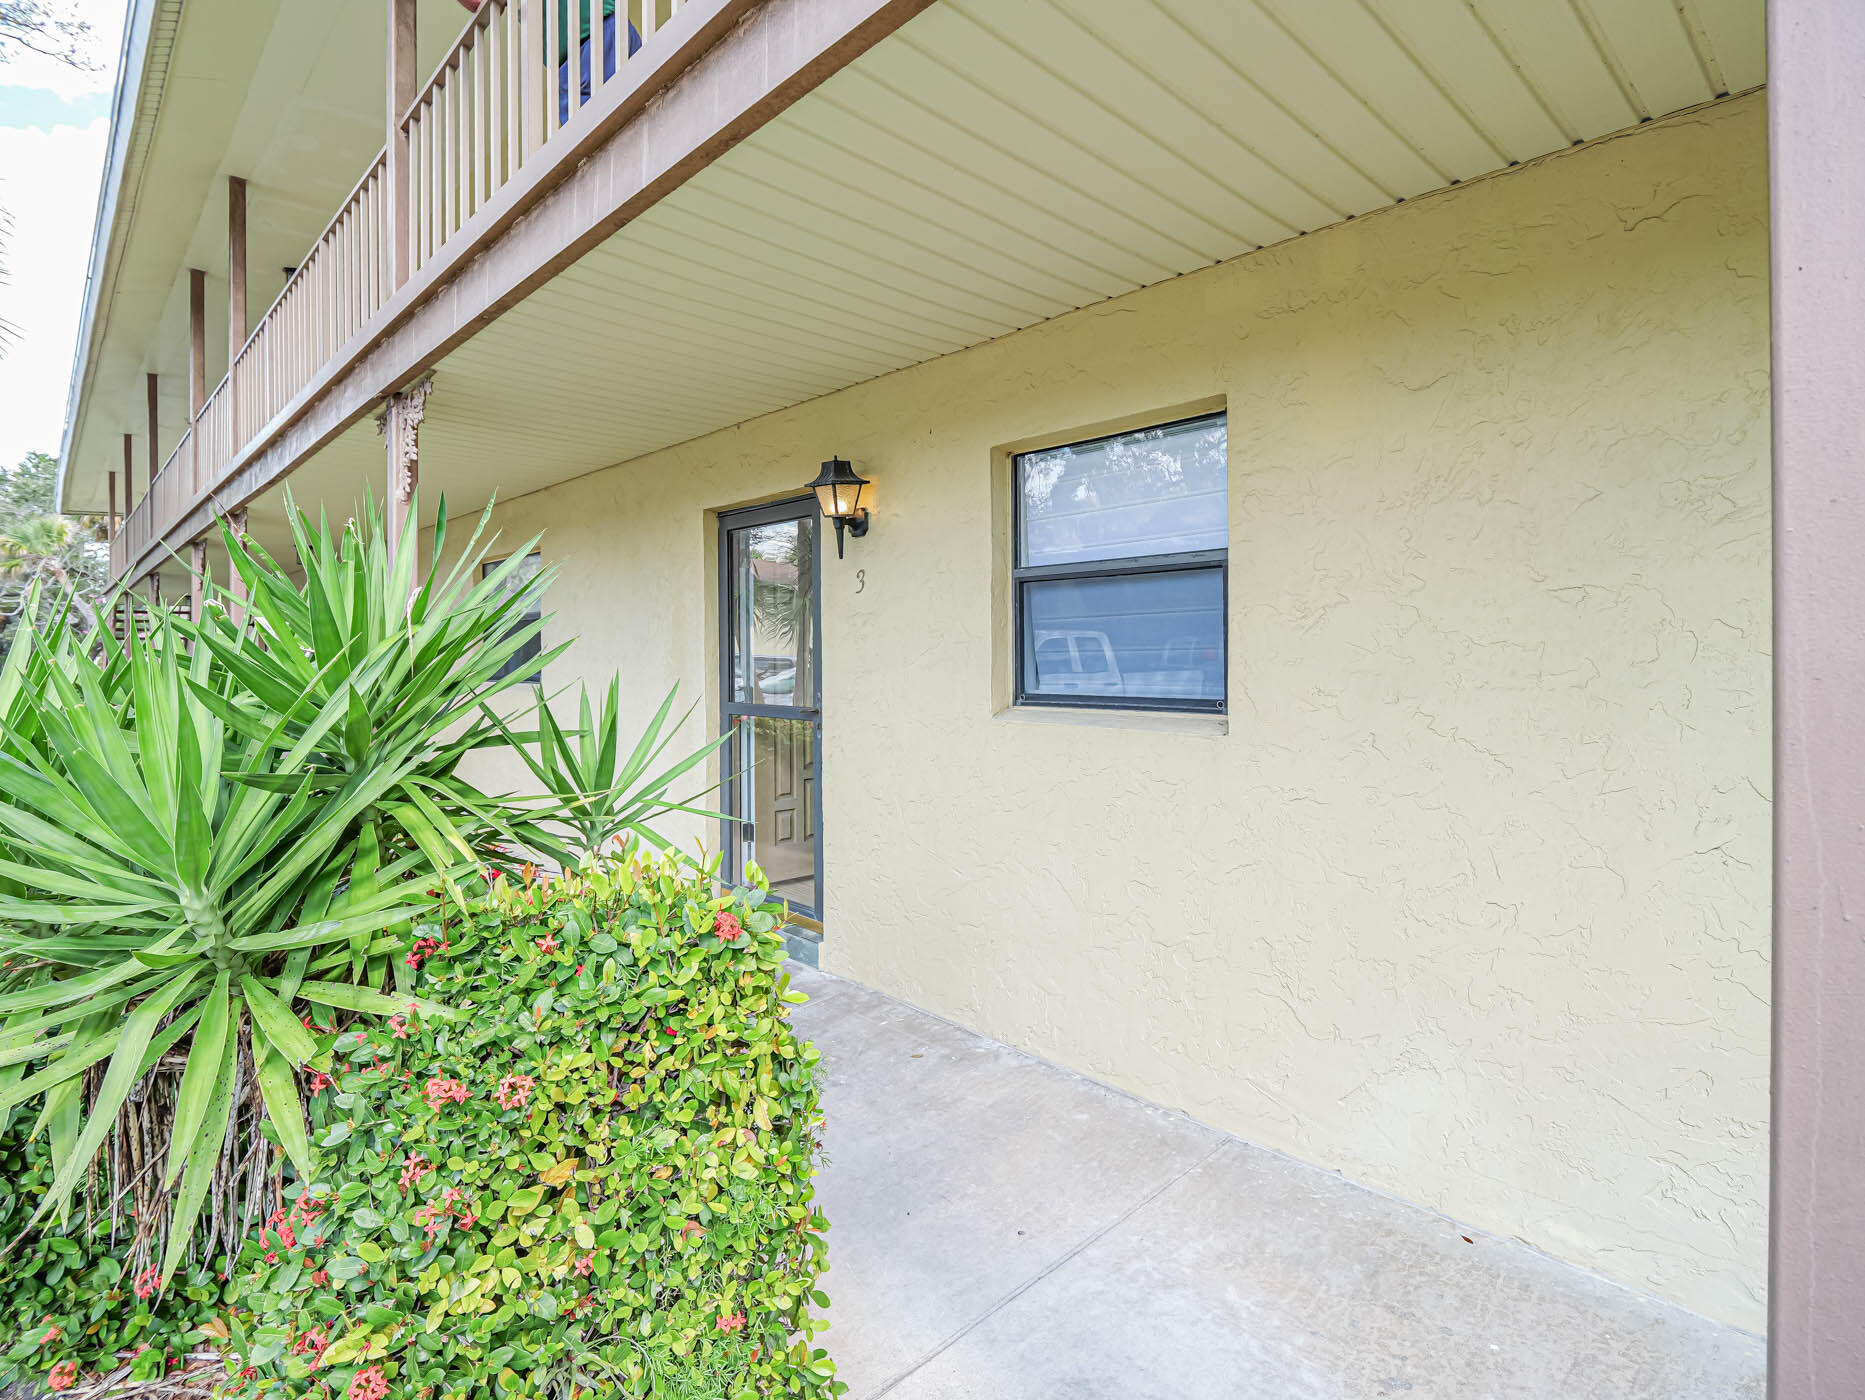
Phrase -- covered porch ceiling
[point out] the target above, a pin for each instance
(991, 166)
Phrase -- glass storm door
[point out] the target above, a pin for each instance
(771, 681)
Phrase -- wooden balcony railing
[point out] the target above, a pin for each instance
(497, 98)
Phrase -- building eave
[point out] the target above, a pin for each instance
(142, 74)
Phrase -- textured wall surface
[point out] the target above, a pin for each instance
(1470, 899)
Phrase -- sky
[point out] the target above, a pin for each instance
(53, 124)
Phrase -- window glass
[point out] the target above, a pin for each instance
(1136, 636)
(772, 581)
(1153, 492)
(524, 661)
(775, 797)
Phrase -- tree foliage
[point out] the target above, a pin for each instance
(50, 28)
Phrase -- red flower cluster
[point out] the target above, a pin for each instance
(727, 927)
(734, 1323)
(414, 1166)
(424, 948)
(319, 1083)
(310, 1343)
(369, 1384)
(432, 1216)
(147, 1282)
(515, 1089)
(547, 944)
(440, 1090)
(63, 1376)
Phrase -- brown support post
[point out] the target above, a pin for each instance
(400, 426)
(401, 90)
(197, 590)
(236, 581)
(236, 267)
(129, 457)
(197, 378)
(155, 458)
(197, 343)
(1816, 1267)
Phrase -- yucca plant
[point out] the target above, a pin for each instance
(205, 826)
(596, 791)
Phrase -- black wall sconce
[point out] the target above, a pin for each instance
(838, 494)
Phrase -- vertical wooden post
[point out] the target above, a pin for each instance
(197, 377)
(1816, 1266)
(400, 426)
(237, 330)
(197, 343)
(197, 590)
(155, 458)
(236, 581)
(129, 457)
(401, 90)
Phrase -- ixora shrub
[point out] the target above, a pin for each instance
(593, 1178)
(70, 1299)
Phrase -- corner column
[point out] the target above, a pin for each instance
(400, 426)
(1816, 1269)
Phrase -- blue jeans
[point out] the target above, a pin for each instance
(583, 69)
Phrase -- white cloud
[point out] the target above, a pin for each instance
(48, 184)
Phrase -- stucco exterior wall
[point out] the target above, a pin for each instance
(1469, 899)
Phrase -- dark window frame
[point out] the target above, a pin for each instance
(534, 613)
(1189, 561)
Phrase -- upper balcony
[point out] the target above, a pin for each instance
(514, 102)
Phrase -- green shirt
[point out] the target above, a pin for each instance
(563, 24)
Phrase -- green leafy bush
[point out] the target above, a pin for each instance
(595, 1178)
(68, 1299)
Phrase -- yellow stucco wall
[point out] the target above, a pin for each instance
(1471, 901)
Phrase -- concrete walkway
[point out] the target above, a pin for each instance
(1005, 1230)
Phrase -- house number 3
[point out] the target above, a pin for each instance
(861, 580)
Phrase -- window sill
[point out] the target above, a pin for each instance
(1088, 717)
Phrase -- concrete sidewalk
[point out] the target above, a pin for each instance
(1005, 1230)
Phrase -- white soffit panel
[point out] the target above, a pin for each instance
(992, 165)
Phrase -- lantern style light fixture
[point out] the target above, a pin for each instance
(838, 494)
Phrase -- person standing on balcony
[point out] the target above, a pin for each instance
(583, 66)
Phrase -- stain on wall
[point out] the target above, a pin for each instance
(1470, 902)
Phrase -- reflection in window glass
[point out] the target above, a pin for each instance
(1155, 636)
(1157, 491)
(773, 593)
(1122, 546)
(524, 660)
